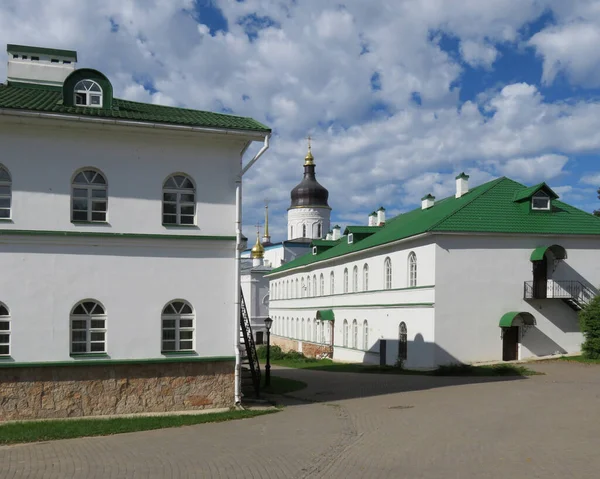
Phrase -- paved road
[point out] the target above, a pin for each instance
(362, 426)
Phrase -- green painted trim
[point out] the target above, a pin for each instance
(81, 222)
(6, 358)
(35, 86)
(117, 362)
(89, 355)
(359, 292)
(507, 319)
(352, 306)
(179, 353)
(169, 226)
(94, 234)
(6, 220)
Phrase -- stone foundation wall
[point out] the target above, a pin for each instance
(104, 389)
(310, 350)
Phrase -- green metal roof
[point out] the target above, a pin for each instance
(325, 315)
(488, 208)
(49, 100)
(507, 319)
(43, 51)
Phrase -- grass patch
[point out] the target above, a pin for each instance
(450, 370)
(283, 385)
(34, 431)
(580, 359)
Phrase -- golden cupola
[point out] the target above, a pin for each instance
(258, 250)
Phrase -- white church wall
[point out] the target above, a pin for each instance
(135, 162)
(44, 277)
(479, 278)
(311, 218)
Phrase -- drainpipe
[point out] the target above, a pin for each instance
(238, 268)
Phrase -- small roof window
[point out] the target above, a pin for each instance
(88, 93)
(540, 201)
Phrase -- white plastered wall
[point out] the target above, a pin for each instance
(310, 217)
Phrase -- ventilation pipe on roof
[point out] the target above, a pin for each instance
(381, 216)
(336, 233)
(329, 236)
(427, 201)
(372, 219)
(462, 184)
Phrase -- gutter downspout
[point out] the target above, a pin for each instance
(238, 268)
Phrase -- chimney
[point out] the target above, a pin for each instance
(336, 234)
(39, 66)
(372, 219)
(427, 201)
(462, 184)
(381, 216)
(329, 236)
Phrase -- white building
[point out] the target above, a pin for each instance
(118, 230)
(493, 273)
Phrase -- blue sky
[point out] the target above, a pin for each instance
(398, 96)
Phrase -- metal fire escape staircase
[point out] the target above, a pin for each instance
(573, 293)
(249, 358)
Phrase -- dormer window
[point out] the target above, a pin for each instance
(314, 250)
(350, 238)
(540, 201)
(88, 93)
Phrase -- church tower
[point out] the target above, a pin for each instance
(309, 212)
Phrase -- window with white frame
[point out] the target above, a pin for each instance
(308, 287)
(177, 327)
(297, 291)
(388, 274)
(402, 341)
(355, 334)
(88, 93)
(345, 280)
(315, 331)
(304, 231)
(89, 197)
(179, 200)
(412, 270)
(331, 283)
(322, 285)
(297, 336)
(4, 330)
(345, 333)
(303, 331)
(365, 335)
(5, 193)
(366, 277)
(315, 290)
(355, 279)
(540, 201)
(88, 328)
(302, 288)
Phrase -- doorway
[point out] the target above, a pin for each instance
(540, 278)
(510, 344)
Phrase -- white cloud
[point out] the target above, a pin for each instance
(478, 54)
(591, 179)
(538, 169)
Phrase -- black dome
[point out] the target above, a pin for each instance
(309, 192)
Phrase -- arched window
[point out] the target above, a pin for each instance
(297, 292)
(308, 287)
(365, 335)
(402, 342)
(302, 288)
(322, 327)
(304, 231)
(366, 277)
(89, 197)
(179, 200)
(319, 231)
(355, 279)
(355, 334)
(345, 333)
(345, 280)
(287, 289)
(88, 327)
(178, 326)
(412, 269)
(322, 285)
(5, 193)
(315, 331)
(331, 283)
(315, 290)
(388, 273)
(297, 336)
(4, 330)
(88, 93)
(291, 232)
(303, 331)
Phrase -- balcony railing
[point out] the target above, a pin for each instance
(568, 290)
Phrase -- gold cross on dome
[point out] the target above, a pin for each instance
(309, 138)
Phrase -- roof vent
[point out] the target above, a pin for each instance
(336, 233)
(372, 219)
(427, 201)
(381, 216)
(350, 238)
(462, 184)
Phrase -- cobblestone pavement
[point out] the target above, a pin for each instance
(362, 426)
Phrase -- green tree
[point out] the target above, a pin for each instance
(589, 320)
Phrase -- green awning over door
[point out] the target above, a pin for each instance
(507, 319)
(558, 251)
(325, 315)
